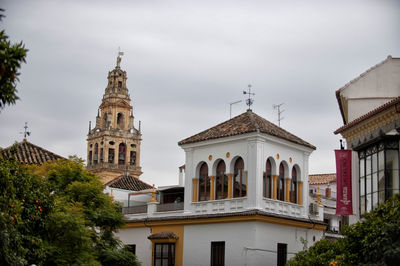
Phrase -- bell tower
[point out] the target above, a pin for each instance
(113, 145)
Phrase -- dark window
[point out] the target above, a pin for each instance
(132, 248)
(101, 156)
(132, 158)
(281, 183)
(282, 254)
(239, 179)
(218, 253)
(379, 173)
(293, 186)
(204, 183)
(96, 153)
(90, 158)
(119, 84)
(121, 153)
(267, 180)
(111, 155)
(164, 254)
(120, 120)
(221, 181)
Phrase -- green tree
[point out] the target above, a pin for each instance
(57, 214)
(11, 57)
(375, 240)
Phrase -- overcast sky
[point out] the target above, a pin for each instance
(186, 61)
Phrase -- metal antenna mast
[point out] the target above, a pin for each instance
(230, 107)
(249, 101)
(26, 132)
(278, 106)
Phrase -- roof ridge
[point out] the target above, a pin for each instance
(250, 114)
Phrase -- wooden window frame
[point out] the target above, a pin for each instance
(217, 256)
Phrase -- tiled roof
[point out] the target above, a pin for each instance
(128, 183)
(211, 216)
(321, 179)
(163, 235)
(28, 153)
(245, 123)
(370, 114)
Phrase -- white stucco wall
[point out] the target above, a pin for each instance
(373, 89)
(138, 237)
(255, 149)
(246, 243)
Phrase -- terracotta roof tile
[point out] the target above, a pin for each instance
(28, 153)
(245, 123)
(371, 113)
(163, 235)
(321, 179)
(128, 183)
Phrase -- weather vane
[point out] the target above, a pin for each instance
(249, 101)
(119, 56)
(26, 132)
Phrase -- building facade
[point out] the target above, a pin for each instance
(370, 108)
(245, 201)
(113, 145)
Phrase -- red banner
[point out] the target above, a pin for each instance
(344, 202)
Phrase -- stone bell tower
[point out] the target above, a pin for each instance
(113, 147)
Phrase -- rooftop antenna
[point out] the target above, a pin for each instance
(278, 106)
(249, 101)
(230, 107)
(26, 132)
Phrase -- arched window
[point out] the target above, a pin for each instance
(90, 158)
(267, 180)
(101, 155)
(111, 155)
(120, 121)
(204, 183)
(221, 181)
(281, 183)
(293, 186)
(239, 179)
(96, 153)
(121, 153)
(132, 158)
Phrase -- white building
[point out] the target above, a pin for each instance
(245, 200)
(370, 108)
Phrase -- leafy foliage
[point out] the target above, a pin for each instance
(11, 57)
(57, 214)
(373, 241)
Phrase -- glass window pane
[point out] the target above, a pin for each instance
(158, 250)
(165, 251)
(374, 163)
(362, 167)
(368, 165)
(362, 204)
(375, 199)
(381, 185)
(381, 160)
(165, 262)
(368, 184)
(369, 202)
(362, 186)
(158, 262)
(375, 182)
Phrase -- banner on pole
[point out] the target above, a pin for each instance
(344, 202)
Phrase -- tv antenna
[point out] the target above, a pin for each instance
(230, 107)
(26, 132)
(278, 106)
(249, 101)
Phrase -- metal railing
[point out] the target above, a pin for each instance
(167, 207)
(134, 209)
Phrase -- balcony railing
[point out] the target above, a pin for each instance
(134, 209)
(282, 207)
(225, 205)
(167, 207)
